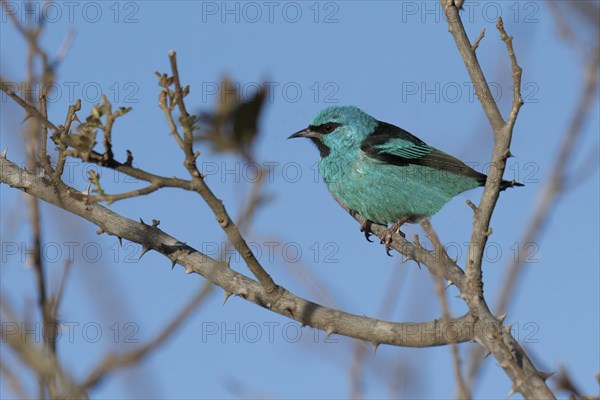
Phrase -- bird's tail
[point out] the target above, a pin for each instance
(507, 184)
(503, 185)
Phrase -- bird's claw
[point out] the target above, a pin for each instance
(366, 228)
(386, 237)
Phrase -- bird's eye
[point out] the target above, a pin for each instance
(329, 128)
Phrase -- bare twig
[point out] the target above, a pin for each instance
(547, 199)
(478, 40)
(216, 205)
(112, 361)
(509, 354)
(36, 358)
(463, 391)
(14, 381)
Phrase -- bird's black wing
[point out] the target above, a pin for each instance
(393, 145)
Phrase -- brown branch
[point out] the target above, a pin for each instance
(57, 297)
(30, 109)
(478, 40)
(422, 334)
(111, 198)
(197, 184)
(35, 357)
(13, 381)
(517, 72)
(111, 361)
(216, 205)
(437, 266)
(34, 133)
(463, 391)
(509, 354)
(547, 198)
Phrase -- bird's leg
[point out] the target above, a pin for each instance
(386, 237)
(366, 228)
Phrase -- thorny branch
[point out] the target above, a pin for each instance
(509, 354)
(477, 325)
(332, 321)
(548, 197)
(187, 121)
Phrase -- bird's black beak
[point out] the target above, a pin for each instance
(306, 132)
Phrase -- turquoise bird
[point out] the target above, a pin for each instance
(383, 172)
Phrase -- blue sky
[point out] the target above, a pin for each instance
(395, 60)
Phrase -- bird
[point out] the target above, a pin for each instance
(383, 172)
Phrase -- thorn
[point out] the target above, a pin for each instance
(545, 375)
(188, 270)
(26, 117)
(227, 296)
(173, 262)
(489, 232)
(196, 154)
(129, 160)
(501, 318)
(375, 346)
(416, 240)
(142, 221)
(144, 251)
(462, 296)
(3, 154)
(511, 391)
(450, 283)
(120, 240)
(155, 222)
(100, 231)
(410, 258)
(487, 354)
(507, 328)
(329, 332)
(86, 192)
(473, 206)
(228, 262)
(75, 118)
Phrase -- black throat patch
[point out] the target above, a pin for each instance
(323, 149)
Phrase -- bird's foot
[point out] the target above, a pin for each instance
(366, 228)
(386, 237)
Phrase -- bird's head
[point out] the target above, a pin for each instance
(338, 127)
